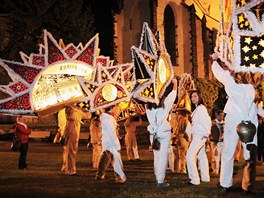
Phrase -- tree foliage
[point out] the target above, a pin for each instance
(72, 21)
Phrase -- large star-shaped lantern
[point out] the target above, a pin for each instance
(111, 85)
(152, 67)
(45, 82)
(240, 39)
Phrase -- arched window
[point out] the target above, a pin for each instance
(170, 34)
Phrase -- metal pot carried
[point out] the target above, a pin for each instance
(246, 131)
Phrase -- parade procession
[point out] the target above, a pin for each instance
(181, 115)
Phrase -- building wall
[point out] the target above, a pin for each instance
(200, 47)
(129, 27)
(181, 27)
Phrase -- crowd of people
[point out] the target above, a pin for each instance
(191, 131)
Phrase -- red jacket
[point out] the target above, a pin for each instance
(22, 133)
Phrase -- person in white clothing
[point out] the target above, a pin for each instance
(130, 138)
(110, 147)
(74, 118)
(158, 124)
(201, 126)
(240, 106)
(96, 140)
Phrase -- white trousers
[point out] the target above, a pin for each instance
(131, 146)
(114, 158)
(161, 156)
(216, 153)
(69, 157)
(97, 150)
(197, 151)
(230, 143)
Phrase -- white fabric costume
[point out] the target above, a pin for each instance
(96, 136)
(130, 138)
(240, 106)
(72, 133)
(201, 127)
(110, 142)
(158, 124)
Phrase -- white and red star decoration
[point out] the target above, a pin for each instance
(59, 75)
(48, 79)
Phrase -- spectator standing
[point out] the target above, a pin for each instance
(216, 141)
(22, 135)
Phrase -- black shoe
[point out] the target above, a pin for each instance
(223, 189)
(138, 159)
(248, 192)
(75, 174)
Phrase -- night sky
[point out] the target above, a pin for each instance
(103, 15)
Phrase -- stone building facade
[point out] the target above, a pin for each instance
(187, 28)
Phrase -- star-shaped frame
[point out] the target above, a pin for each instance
(152, 68)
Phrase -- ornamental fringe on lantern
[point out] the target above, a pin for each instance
(44, 83)
(240, 38)
(152, 68)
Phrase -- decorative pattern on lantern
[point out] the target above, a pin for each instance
(246, 131)
(48, 79)
(110, 86)
(152, 68)
(240, 40)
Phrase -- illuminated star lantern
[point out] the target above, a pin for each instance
(45, 82)
(111, 85)
(152, 68)
(241, 35)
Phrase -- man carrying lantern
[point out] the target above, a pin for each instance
(240, 106)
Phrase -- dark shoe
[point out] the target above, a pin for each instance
(99, 178)
(131, 160)
(223, 189)
(163, 185)
(75, 174)
(248, 192)
(190, 183)
(138, 159)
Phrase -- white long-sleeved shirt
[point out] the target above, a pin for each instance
(240, 101)
(110, 140)
(158, 117)
(201, 121)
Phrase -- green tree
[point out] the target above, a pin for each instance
(72, 21)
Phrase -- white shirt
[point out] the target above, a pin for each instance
(241, 97)
(158, 117)
(201, 121)
(110, 140)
